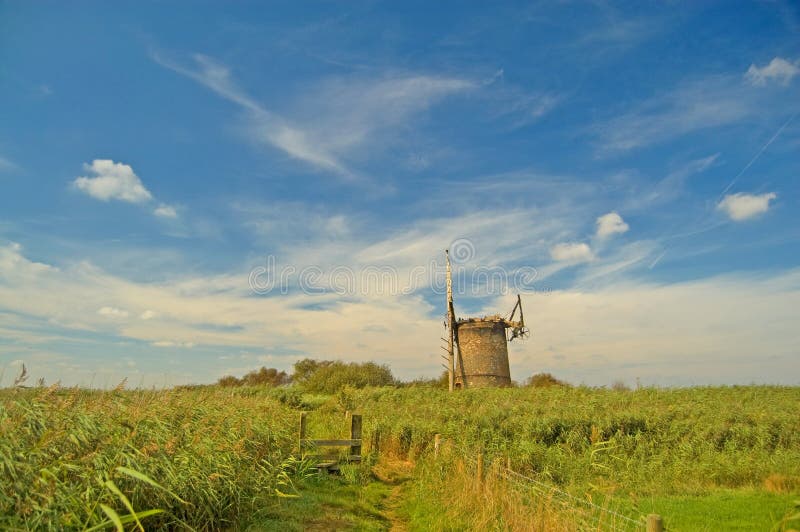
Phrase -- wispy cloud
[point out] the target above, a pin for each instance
(6, 165)
(741, 206)
(778, 70)
(113, 312)
(333, 121)
(520, 107)
(692, 107)
(269, 127)
(573, 252)
(166, 211)
(627, 330)
(673, 184)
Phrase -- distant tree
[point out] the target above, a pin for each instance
(304, 369)
(229, 380)
(620, 386)
(258, 377)
(331, 376)
(266, 377)
(544, 380)
(442, 381)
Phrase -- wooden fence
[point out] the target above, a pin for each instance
(331, 461)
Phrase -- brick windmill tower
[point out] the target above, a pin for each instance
(477, 348)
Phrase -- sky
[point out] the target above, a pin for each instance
(189, 190)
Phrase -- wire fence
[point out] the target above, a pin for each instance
(590, 515)
(596, 516)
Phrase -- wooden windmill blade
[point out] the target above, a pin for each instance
(517, 328)
(451, 325)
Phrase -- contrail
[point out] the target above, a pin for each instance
(733, 181)
(764, 147)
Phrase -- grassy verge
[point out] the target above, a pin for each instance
(214, 458)
(744, 510)
(361, 497)
(327, 503)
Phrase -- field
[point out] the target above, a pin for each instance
(722, 458)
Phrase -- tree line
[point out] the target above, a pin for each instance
(330, 376)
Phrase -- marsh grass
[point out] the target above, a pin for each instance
(215, 458)
(78, 459)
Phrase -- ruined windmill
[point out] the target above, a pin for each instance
(477, 348)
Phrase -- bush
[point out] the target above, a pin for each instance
(442, 381)
(543, 380)
(620, 386)
(331, 376)
(257, 377)
(229, 380)
(266, 376)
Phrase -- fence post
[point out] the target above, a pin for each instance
(355, 434)
(302, 432)
(655, 523)
(479, 470)
(376, 441)
(437, 441)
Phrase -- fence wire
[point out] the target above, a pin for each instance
(548, 489)
(591, 513)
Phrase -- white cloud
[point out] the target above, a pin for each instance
(297, 143)
(626, 330)
(169, 343)
(609, 224)
(331, 122)
(113, 312)
(165, 211)
(741, 206)
(112, 181)
(147, 315)
(702, 104)
(571, 252)
(6, 165)
(779, 70)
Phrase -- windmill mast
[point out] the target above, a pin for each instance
(451, 370)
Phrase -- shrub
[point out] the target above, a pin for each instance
(543, 380)
(442, 381)
(620, 386)
(229, 380)
(266, 376)
(304, 369)
(257, 377)
(330, 376)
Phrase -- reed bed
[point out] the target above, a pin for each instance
(77, 459)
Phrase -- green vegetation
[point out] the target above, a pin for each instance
(543, 380)
(225, 457)
(331, 376)
(258, 377)
(317, 376)
(68, 455)
(737, 509)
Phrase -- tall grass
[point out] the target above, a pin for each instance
(204, 458)
(681, 441)
(67, 456)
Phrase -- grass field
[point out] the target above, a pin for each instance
(722, 458)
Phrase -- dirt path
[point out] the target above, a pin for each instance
(394, 473)
(393, 503)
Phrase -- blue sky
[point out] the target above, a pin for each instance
(637, 162)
